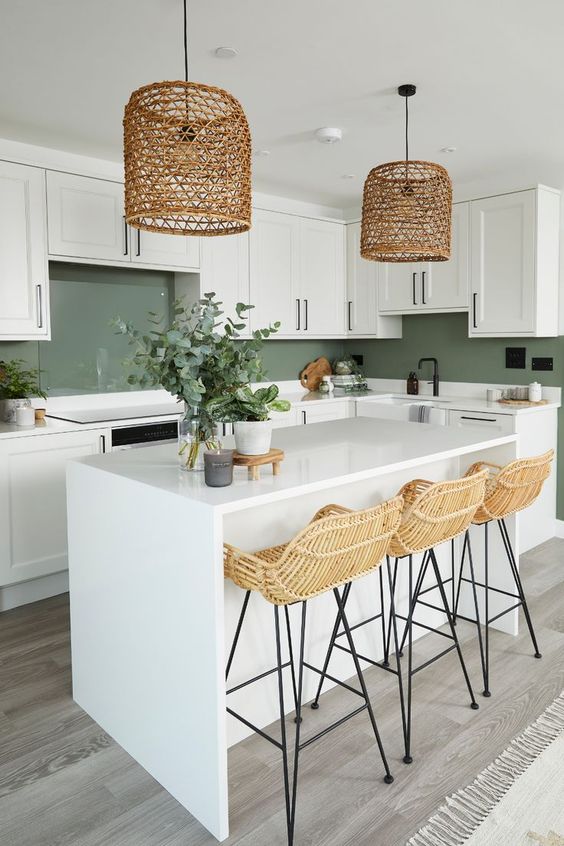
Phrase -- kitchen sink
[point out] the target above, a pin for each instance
(398, 408)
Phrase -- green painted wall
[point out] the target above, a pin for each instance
(285, 359)
(445, 336)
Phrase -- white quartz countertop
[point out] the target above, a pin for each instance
(318, 456)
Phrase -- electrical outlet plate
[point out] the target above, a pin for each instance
(542, 363)
(516, 358)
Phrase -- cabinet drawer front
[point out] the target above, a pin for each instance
(501, 423)
(334, 410)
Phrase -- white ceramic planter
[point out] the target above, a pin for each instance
(8, 408)
(253, 437)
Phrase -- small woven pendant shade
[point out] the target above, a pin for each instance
(406, 208)
(187, 151)
(406, 213)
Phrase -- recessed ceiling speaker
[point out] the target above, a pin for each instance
(329, 134)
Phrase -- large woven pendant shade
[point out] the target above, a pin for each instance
(187, 155)
(406, 209)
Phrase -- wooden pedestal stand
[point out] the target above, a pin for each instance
(253, 462)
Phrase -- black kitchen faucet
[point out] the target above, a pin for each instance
(435, 373)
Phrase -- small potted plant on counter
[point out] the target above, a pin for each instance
(196, 359)
(249, 412)
(17, 384)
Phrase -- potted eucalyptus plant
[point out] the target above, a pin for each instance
(249, 411)
(18, 383)
(196, 359)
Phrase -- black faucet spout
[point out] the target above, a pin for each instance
(435, 364)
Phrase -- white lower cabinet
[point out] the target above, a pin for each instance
(33, 524)
(501, 424)
(320, 413)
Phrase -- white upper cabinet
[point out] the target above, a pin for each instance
(444, 285)
(86, 222)
(438, 286)
(275, 271)
(181, 251)
(514, 264)
(322, 277)
(362, 315)
(85, 218)
(24, 286)
(225, 271)
(297, 274)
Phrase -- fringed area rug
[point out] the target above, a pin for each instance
(517, 801)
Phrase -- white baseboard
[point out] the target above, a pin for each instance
(559, 529)
(23, 593)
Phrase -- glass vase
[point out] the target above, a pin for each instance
(193, 439)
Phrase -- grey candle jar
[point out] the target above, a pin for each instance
(218, 468)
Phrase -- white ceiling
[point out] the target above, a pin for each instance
(490, 79)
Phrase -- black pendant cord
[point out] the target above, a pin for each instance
(406, 130)
(185, 40)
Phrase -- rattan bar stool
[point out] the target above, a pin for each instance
(433, 514)
(509, 489)
(333, 550)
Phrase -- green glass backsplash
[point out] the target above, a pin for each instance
(85, 354)
(285, 359)
(461, 359)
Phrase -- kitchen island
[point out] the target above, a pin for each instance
(151, 616)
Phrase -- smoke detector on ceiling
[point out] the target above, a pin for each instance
(329, 134)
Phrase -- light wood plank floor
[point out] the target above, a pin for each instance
(64, 781)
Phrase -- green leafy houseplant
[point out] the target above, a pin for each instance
(195, 361)
(17, 382)
(244, 404)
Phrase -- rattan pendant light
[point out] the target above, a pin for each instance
(187, 153)
(406, 208)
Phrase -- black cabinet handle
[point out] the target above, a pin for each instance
(423, 288)
(304, 417)
(138, 253)
(349, 314)
(298, 325)
(480, 419)
(125, 238)
(413, 286)
(474, 321)
(102, 444)
(305, 306)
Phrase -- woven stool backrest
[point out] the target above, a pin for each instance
(516, 486)
(333, 551)
(441, 512)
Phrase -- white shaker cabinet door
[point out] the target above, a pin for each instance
(33, 523)
(399, 287)
(182, 251)
(322, 277)
(225, 271)
(275, 272)
(86, 218)
(24, 287)
(444, 284)
(503, 264)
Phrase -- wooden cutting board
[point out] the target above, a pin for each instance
(313, 373)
